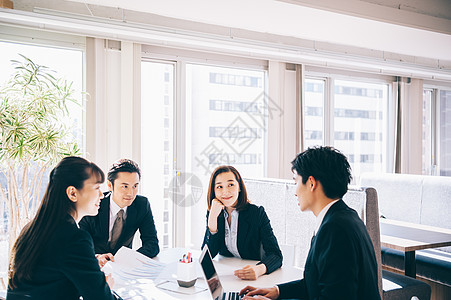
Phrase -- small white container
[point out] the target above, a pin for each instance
(186, 274)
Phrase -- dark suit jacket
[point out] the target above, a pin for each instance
(341, 263)
(255, 239)
(138, 216)
(66, 269)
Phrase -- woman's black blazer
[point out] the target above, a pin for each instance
(66, 269)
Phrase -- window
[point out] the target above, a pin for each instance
(314, 112)
(226, 125)
(428, 161)
(445, 133)
(226, 119)
(436, 131)
(361, 111)
(68, 64)
(359, 123)
(157, 147)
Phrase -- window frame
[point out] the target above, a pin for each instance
(182, 217)
(435, 108)
(330, 76)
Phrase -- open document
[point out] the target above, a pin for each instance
(131, 265)
(134, 274)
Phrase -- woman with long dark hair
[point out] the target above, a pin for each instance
(235, 227)
(53, 258)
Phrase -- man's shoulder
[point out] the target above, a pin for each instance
(342, 221)
(140, 202)
(105, 201)
(141, 198)
(345, 217)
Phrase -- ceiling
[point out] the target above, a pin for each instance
(433, 8)
(379, 25)
(432, 15)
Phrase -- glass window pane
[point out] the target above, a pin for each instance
(445, 133)
(228, 125)
(157, 147)
(314, 112)
(360, 124)
(227, 113)
(427, 131)
(68, 65)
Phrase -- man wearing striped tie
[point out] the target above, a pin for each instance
(122, 212)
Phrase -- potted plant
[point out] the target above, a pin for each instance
(34, 135)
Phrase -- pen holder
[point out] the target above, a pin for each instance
(186, 274)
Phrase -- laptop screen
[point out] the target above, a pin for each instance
(206, 262)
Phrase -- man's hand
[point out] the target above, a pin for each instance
(251, 292)
(251, 272)
(104, 258)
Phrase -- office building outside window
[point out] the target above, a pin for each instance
(436, 131)
(359, 125)
(445, 133)
(226, 125)
(314, 112)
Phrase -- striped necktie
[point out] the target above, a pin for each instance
(117, 229)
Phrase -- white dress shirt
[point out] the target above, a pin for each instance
(231, 233)
(322, 213)
(114, 209)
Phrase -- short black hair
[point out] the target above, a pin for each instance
(123, 165)
(327, 165)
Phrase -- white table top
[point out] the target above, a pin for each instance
(147, 289)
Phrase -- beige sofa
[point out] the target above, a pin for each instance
(416, 199)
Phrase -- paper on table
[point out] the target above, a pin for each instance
(174, 287)
(131, 265)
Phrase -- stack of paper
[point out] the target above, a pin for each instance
(131, 265)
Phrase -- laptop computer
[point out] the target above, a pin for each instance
(212, 279)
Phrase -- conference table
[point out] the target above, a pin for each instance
(410, 237)
(165, 285)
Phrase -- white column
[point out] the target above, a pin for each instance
(126, 100)
(96, 126)
(283, 128)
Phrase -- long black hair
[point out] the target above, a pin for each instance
(242, 200)
(55, 206)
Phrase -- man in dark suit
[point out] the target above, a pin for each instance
(341, 263)
(122, 212)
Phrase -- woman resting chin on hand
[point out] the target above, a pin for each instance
(237, 228)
